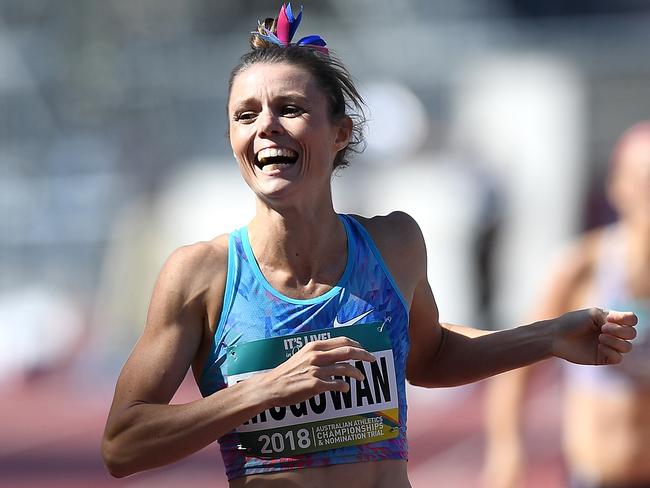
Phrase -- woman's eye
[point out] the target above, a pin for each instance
(292, 110)
(245, 116)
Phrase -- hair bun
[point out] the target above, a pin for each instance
(257, 42)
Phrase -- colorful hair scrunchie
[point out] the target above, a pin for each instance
(286, 27)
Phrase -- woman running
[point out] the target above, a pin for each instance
(302, 327)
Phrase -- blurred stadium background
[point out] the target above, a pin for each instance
(491, 122)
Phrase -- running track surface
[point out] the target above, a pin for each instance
(50, 430)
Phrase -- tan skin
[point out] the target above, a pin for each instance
(300, 244)
(606, 435)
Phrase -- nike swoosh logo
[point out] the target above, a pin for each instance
(352, 321)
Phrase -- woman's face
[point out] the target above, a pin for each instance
(282, 134)
(629, 185)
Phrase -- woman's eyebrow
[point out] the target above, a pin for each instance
(293, 97)
(281, 97)
(245, 102)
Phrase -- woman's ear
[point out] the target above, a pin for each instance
(343, 132)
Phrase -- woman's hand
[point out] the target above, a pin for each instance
(311, 371)
(594, 336)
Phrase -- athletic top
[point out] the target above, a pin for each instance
(611, 291)
(260, 327)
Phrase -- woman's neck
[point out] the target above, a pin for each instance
(306, 243)
(638, 257)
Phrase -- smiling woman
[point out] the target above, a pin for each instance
(330, 75)
(303, 326)
(282, 127)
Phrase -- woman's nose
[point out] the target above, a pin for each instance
(269, 123)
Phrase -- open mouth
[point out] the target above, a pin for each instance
(275, 158)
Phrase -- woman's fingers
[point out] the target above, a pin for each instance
(317, 367)
(327, 344)
(615, 343)
(615, 335)
(330, 377)
(340, 354)
(622, 331)
(335, 385)
(340, 369)
(338, 349)
(607, 355)
(622, 318)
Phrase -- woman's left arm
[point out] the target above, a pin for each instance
(450, 355)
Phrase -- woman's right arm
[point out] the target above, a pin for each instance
(143, 431)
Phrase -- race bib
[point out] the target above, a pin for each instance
(368, 412)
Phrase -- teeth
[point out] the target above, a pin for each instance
(269, 168)
(273, 152)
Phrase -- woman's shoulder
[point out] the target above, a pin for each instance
(202, 253)
(570, 280)
(400, 242)
(583, 253)
(396, 226)
(577, 262)
(196, 267)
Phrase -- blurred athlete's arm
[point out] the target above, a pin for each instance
(504, 463)
(505, 394)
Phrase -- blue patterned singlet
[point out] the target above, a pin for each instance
(253, 310)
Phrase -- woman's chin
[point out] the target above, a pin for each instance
(276, 190)
(276, 179)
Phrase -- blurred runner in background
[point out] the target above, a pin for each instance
(606, 425)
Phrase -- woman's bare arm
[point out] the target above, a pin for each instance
(143, 431)
(443, 355)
